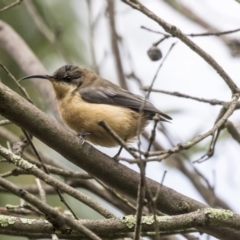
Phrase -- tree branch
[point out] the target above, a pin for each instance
(201, 218)
(20, 111)
(175, 32)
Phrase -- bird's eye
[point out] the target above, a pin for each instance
(67, 79)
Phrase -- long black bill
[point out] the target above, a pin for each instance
(36, 76)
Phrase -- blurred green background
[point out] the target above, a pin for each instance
(63, 22)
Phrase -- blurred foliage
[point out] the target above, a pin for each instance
(63, 20)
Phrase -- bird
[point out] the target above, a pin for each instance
(85, 99)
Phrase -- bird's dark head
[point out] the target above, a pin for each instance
(67, 78)
(68, 74)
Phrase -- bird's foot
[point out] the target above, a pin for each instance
(118, 154)
(82, 136)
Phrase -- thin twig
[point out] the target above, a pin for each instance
(178, 94)
(105, 126)
(10, 6)
(11, 42)
(213, 199)
(153, 135)
(213, 33)
(175, 32)
(160, 66)
(232, 130)
(19, 147)
(153, 209)
(5, 122)
(135, 77)
(22, 163)
(217, 125)
(117, 195)
(22, 89)
(180, 147)
(114, 44)
(154, 31)
(148, 93)
(140, 200)
(196, 34)
(55, 217)
(177, 162)
(45, 30)
(215, 137)
(91, 24)
(210, 151)
(42, 193)
(203, 177)
(54, 170)
(186, 11)
(15, 210)
(142, 164)
(46, 171)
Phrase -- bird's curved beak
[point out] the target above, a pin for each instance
(48, 77)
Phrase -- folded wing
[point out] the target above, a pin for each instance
(115, 95)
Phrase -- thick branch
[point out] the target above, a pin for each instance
(29, 167)
(20, 111)
(57, 218)
(201, 218)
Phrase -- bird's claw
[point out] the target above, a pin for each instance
(118, 154)
(82, 136)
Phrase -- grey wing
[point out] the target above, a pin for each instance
(119, 97)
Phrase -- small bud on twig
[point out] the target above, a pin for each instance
(154, 53)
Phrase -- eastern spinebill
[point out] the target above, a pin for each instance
(85, 99)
